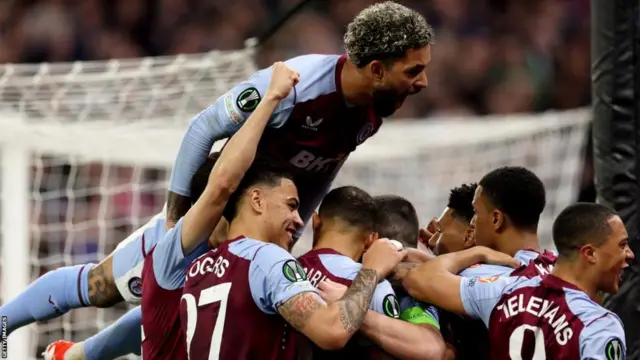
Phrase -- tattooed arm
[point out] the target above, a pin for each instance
(331, 326)
(103, 292)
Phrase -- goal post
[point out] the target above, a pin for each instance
(86, 151)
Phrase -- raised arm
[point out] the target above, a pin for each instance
(436, 282)
(234, 161)
(219, 121)
(331, 326)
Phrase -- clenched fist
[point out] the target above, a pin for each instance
(383, 257)
(283, 79)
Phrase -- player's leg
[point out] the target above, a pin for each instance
(71, 287)
(61, 290)
(119, 339)
(52, 295)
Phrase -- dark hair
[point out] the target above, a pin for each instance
(397, 219)
(385, 31)
(460, 201)
(264, 172)
(201, 177)
(518, 193)
(580, 224)
(350, 204)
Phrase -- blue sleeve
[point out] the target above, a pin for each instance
(485, 270)
(275, 276)
(479, 297)
(384, 300)
(603, 339)
(121, 338)
(222, 120)
(169, 262)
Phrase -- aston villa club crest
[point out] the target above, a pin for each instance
(135, 286)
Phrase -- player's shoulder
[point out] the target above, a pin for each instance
(590, 313)
(602, 331)
(258, 252)
(340, 265)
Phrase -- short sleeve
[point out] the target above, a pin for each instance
(480, 295)
(275, 276)
(384, 300)
(603, 339)
(169, 262)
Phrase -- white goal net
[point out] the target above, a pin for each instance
(86, 150)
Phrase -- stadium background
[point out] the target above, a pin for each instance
(492, 57)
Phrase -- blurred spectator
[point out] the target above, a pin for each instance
(534, 50)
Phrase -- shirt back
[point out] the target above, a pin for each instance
(543, 318)
(320, 264)
(230, 301)
(471, 337)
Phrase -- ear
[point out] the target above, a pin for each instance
(469, 237)
(370, 239)
(377, 69)
(588, 252)
(315, 221)
(256, 201)
(497, 220)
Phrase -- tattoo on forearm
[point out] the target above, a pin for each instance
(300, 308)
(355, 303)
(402, 269)
(177, 206)
(103, 291)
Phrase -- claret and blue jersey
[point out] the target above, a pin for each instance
(544, 317)
(229, 309)
(312, 131)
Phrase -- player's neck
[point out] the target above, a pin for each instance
(513, 241)
(243, 227)
(344, 243)
(573, 273)
(355, 88)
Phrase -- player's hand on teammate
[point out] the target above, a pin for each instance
(283, 79)
(331, 291)
(383, 256)
(427, 232)
(496, 258)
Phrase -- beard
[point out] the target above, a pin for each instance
(384, 102)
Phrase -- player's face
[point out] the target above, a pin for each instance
(483, 220)
(281, 213)
(451, 234)
(395, 82)
(612, 256)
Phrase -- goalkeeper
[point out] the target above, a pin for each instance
(338, 104)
